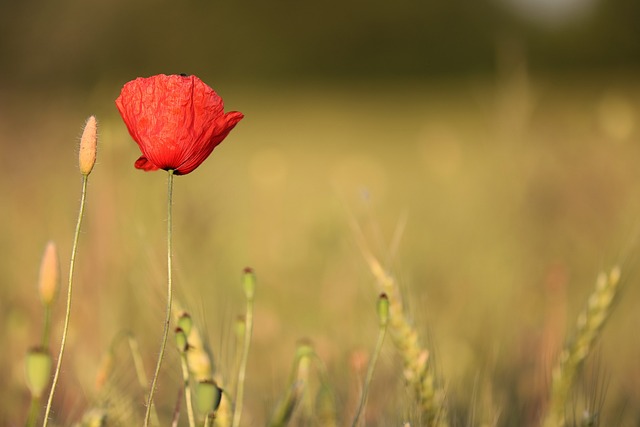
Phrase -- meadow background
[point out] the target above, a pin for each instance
(489, 154)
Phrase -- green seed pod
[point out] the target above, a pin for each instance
(38, 370)
(181, 340)
(208, 396)
(383, 309)
(249, 283)
(304, 349)
(185, 322)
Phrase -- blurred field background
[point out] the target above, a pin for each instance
(489, 154)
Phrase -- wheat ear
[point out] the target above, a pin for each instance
(590, 323)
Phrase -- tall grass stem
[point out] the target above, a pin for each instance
(67, 316)
(237, 413)
(372, 364)
(187, 388)
(167, 320)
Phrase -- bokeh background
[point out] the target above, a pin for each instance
(488, 151)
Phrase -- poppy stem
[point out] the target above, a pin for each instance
(167, 320)
(67, 316)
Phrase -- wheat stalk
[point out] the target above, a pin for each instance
(590, 323)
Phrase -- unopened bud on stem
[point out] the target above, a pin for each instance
(383, 309)
(49, 280)
(88, 146)
(249, 283)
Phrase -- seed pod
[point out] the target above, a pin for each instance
(208, 396)
(249, 283)
(383, 309)
(181, 340)
(38, 370)
(185, 323)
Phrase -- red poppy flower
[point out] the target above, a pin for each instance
(176, 120)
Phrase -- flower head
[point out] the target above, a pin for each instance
(88, 146)
(176, 120)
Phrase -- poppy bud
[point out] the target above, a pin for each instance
(88, 146)
(49, 280)
(38, 370)
(181, 340)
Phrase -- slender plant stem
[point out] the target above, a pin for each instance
(47, 326)
(187, 389)
(34, 409)
(237, 413)
(139, 367)
(167, 320)
(67, 316)
(367, 382)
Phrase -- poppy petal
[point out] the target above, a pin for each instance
(144, 164)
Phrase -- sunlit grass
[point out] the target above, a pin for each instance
(479, 220)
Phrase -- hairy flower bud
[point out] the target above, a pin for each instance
(88, 146)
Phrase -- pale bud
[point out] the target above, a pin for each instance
(88, 146)
(49, 281)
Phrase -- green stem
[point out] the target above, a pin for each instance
(167, 320)
(187, 389)
(67, 316)
(367, 382)
(47, 326)
(237, 413)
(34, 409)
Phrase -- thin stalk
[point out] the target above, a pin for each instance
(369, 377)
(237, 413)
(47, 326)
(187, 389)
(34, 406)
(139, 368)
(34, 409)
(67, 316)
(165, 334)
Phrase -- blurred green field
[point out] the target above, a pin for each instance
(494, 203)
